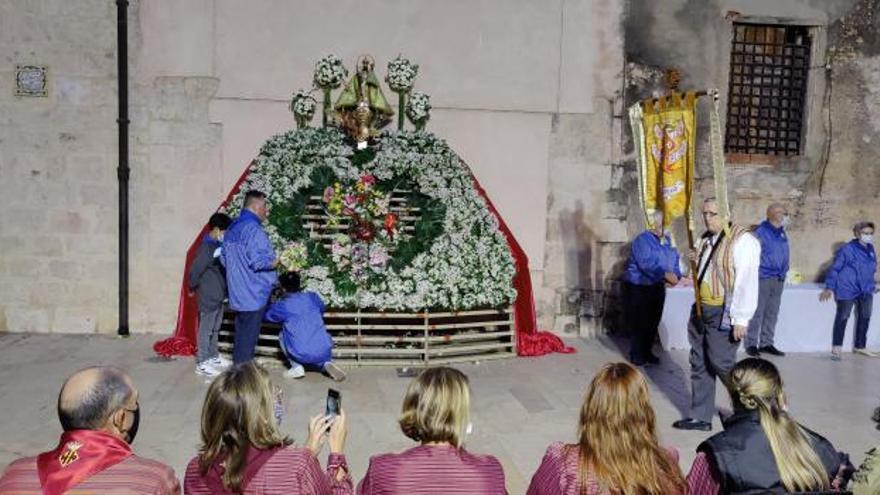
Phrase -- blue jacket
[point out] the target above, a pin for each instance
(303, 333)
(248, 256)
(852, 274)
(774, 251)
(650, 259)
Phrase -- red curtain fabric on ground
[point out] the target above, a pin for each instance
(529, 340)
(183, 342)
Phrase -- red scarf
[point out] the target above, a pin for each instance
(79, 455)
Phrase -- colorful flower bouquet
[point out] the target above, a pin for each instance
(294, 257)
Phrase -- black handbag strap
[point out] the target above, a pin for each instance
(711, 255)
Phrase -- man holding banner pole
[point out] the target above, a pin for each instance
(727, 262)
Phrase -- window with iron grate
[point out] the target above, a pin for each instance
(768, 87)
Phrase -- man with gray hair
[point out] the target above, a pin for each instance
(772, 272)
(727, 262)
(652, 264)
(99, 412)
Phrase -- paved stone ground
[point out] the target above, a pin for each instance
(519, 406)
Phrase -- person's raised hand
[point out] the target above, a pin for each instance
(338, 433)
(317, 432)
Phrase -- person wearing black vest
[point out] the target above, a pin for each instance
(762, 448)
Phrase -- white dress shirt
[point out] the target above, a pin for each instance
(741, 304)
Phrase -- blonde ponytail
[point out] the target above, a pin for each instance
(756, 385)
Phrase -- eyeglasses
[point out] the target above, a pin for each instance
(137, 405)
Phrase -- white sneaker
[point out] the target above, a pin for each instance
(206, 369)
(220, 362)
(296, 372)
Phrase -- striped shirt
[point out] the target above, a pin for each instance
(559, 473)
(292, 470)
(433, 469)
(702, 479)
(134, 475)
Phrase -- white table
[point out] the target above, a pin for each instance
(805, 324)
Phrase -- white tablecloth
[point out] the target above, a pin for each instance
(805, 324)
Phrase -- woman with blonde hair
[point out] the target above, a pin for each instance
(243, 450)
(435, 413)
(617, 450)
(762, 448)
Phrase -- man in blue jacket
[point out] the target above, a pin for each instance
(851, 281)
(250, 263)
(653, 263)
(772, 272)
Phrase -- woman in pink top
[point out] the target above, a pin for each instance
(243, 450)
(435, 413)
(617, 451)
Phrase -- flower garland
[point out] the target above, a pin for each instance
(467, 265)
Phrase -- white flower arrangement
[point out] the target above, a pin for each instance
(401, 74)
(467, 266)
(418, 108)
(329, 72)
(303, 106)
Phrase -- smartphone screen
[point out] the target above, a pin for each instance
(334, 402)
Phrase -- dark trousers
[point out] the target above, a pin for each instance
(247, 332)
(863, 307)
(644, 308)
(762, 326)
(713, 354)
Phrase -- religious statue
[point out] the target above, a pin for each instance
(362, 109)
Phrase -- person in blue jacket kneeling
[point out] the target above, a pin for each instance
(851, 281)
(303, 338)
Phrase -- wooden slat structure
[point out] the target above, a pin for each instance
(316, 221)
(363, 338)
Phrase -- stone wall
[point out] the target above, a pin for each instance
(834, 182)
(526, 92)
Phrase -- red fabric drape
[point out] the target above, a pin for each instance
(183, 342)
(529, 340)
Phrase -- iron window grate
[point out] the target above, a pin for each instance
(768, 88)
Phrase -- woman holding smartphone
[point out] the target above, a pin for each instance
(243, 450)
(435, 413)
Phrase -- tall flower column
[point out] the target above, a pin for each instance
(401, 77)
(329, 75)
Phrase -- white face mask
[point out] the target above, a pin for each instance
(786, 221)
(867, 238)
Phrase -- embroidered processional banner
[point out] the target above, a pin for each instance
(664, 134)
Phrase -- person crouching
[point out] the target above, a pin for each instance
(303, 338)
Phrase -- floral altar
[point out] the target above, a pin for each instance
(377, 220)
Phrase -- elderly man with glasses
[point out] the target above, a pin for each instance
(727, 276)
